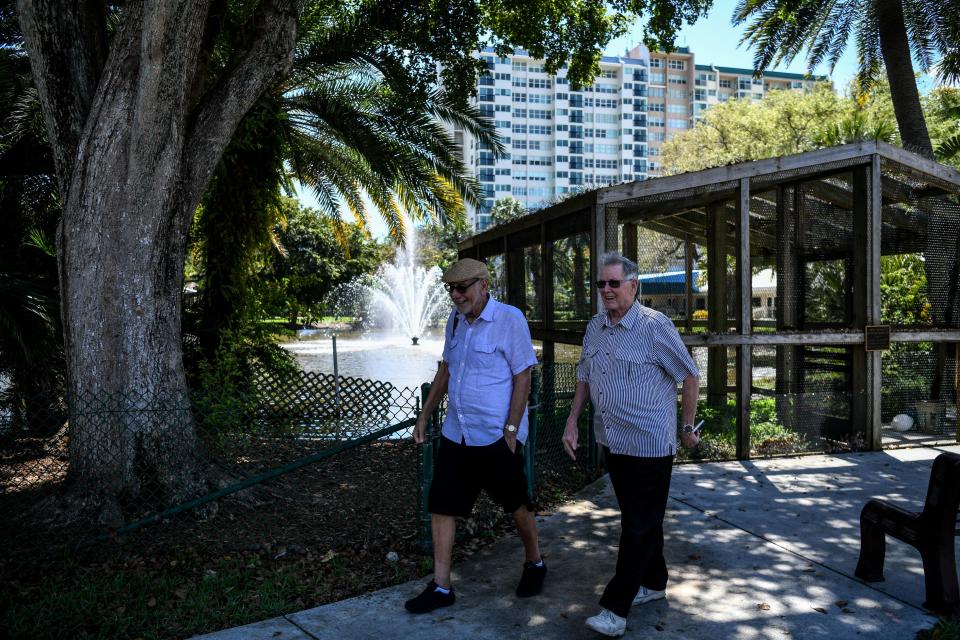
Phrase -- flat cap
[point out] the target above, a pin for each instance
(466, 269)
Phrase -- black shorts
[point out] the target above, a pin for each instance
(461, 472)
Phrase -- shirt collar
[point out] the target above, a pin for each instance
(628, 319)
(489, 312)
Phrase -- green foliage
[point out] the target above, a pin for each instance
(437, 242)
(947, 628)
(942, 106)
(785, 122)
(506, 210)
(767, 434)
(779, 30)
(311, 262)
(31, 356)
(164, 602)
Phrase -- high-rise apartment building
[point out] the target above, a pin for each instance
(560, 140)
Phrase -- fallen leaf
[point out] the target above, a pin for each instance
(820, 609)
(328, 556)
(181, 593)
(763, 606)
(152, 602)
(841, 603)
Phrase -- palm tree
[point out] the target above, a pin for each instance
(888, 34)
(349, 125)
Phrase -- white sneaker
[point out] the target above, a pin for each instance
(608, 623)
(648, 595)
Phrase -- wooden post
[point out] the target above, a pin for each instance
(865, 403)
(598, 244)
(516, 280)
(744, 320)
(546, 253)
(630, 249)
(716, 304)
(788, 281)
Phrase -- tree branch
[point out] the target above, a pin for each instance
(67, 43)
(253, 69)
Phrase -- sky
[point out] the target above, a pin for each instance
(712, 40)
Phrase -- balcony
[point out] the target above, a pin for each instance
(640, 92)
(640, 122)
(576, 163)
(576, 147)
(576, 116)
(576, 102)
(640, 137)
(639, 77)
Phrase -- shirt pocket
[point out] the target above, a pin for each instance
(636, 367)
(487, 363)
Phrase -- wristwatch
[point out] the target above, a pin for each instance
(687, 428)
(510, 428)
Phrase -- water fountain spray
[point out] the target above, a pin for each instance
(410, 294)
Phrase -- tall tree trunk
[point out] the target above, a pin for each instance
(147, 147)
(895, 49)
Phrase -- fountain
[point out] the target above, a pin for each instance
(409, 294)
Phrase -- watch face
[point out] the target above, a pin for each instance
(511, 428)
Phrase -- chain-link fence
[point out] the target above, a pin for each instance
(121, 461)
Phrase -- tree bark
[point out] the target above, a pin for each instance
(895, 49)
(132, 163)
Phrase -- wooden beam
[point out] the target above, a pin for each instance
(732, 173)
(923, 168)
(744, 319)
(716, 304)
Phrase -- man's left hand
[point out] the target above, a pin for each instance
(690, 440)
(511, 440)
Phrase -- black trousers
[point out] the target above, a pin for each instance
(641, 486)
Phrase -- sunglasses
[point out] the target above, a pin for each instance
(459, 288)
(614, 284)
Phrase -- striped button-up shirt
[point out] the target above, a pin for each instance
(482, 359)
(633, 369)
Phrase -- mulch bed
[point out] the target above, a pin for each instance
(330, 525)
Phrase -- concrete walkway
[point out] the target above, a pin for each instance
(760, 549)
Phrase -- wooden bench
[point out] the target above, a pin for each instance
(931, 532)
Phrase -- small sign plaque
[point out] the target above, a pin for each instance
(876, 337)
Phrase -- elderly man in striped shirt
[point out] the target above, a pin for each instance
(631, 363)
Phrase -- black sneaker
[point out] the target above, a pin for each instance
(430, 599)
(531, 582)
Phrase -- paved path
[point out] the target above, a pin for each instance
(758, 549)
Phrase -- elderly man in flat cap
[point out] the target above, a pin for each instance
(485, 373)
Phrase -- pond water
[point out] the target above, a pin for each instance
(380, 354)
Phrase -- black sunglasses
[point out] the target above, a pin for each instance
(614, 284)
(459, 288)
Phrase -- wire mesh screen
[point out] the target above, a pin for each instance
(920, 238)
(533, 283)
(572, 280)
(661, 262)
(497, 266)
